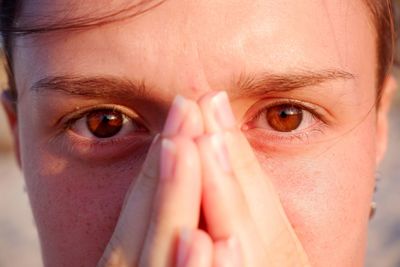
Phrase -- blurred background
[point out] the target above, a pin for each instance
(18, 238)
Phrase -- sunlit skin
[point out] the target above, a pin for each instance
(317, 56)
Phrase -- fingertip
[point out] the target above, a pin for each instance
(184, 118)
(175, 116)
(217, 112)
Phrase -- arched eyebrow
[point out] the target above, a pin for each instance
(246, 86)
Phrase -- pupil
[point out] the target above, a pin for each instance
(104, 124)
(283, 114)
(284, 118)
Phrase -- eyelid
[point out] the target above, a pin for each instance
(261, 107)
(80, 112)
(88, 148)
(263, 137)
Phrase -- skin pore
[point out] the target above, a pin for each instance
(319, 57)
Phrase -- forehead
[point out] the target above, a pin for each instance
(207, 41)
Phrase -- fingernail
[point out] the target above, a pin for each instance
(183, 247)
(168, 154)
(175, 116)
(222, 110)
(220, 152)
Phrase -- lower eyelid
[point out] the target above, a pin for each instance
(88, 148)
(305, 136)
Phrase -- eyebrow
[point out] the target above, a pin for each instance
(246, 85)
(260, 84)
(93, 86)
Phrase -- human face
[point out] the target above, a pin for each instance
(316, 54)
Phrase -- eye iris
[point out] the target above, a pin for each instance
(104, 124)
(284, 118)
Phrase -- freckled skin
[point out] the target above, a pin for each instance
(325, 180)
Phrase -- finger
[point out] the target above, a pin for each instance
(264, 204)
(262, 200)
(129, 235)
(192, 125)
(227, 253)
(195, 249)
(217, 112)
(184, 118)
(224, 206)
(254, 184)
(221, 188)
(177, 201)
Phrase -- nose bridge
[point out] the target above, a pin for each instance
(195, 79)
(192, 81)
(206, 51)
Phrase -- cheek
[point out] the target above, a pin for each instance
(75, 204)
(327, 195)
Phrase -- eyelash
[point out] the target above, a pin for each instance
(92, 145)
(288, 137)
(67, 123)
(82, 112)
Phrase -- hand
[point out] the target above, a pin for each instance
(159, 219)
(246, 224)
(239, 201)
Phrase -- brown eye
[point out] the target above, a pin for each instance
(104, 123)
(284, 118)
